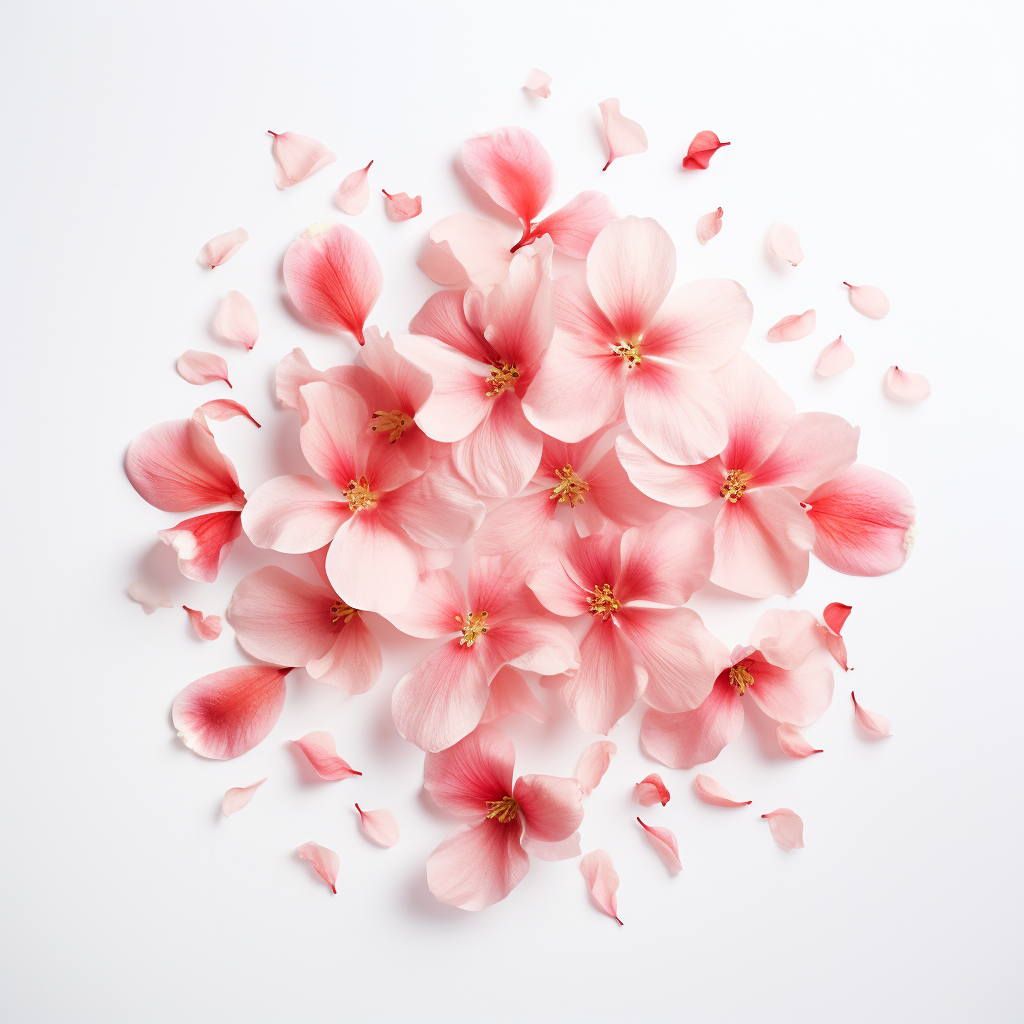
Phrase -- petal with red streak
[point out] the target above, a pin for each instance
(513, 168)
(651, 790)
(664, 842)
(602, 881)
(623, 136)
(792, 742)
(711, 791)
(298, 157)
(238, 797)
(203, 542)
(872, 722)
(380, 825)
(464, 777)
(325, 862)
(700, 151)
(322, 754)
(202, 367)
(787, 828)
(206, 627)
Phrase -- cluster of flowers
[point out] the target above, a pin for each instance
(597, 408)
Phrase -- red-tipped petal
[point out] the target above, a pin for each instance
(237, 798)
(298, 157)
(709, 225)
(711, 791)
(354, 192)
(871, 722)
(785, 242)
(203, 542)
(704, 146)
(149, 596)
(651, 791)
(623, 136)
(664, 842)
(221, 248)
(602, 881)
(794, 327)
(537, 82)
(221, 409)
(203, 367)
(236, 321)
(325, 862)
(593, 763)
(574, 227)
(787, 828)
(401, 206)
(834, 358)
(868, 300)
(322, 754)
(513, 168)
(911, 387)
(792, 742)
(380, 825)
(207, 627)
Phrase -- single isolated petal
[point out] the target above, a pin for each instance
(704, 146)
(401, 206)
(220, 249)
(149, 596)
(787, 828)
(664, 842)
(325, 862)
(871, 722)
(711, 791)
(354, 192)
(835, 616)
(537, 82)
(651, 791)
(237, 798)
(794, 327)
(298, 157)
(574, 227)
(709, 225)
(869, 300)
(834, 358)
(207, 627)
(602, 881)
(593, 764)
(380, 825)
(202, 543)
(322, 754)
(221, 409)
(203, 367)
(624, 137)
(513, 168)
(784, 242)
(236, 321)
(911, 387)
(792, 742)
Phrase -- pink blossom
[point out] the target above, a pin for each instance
(700, 151)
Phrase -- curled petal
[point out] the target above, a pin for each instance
(509, 694)
(664, 842)
(792, 742)
(835, 357)
(711, 791)
(298, 157)
(651, 790)
(911, 387)
(709, 225)
(354, 192)
(380, 825)
(784, 242)
(322, 754)
(149, 596)
(237, 798)
(793, 328)
(602, 881)
(203, 542)
(537, 82)
(835, 616)
(207, 627)
(236, 321)
(221, 248)
(401, 206)
(221, 409)
(624, 137)
(593, 764)
(787, 828)
(202, 367)
(513, 168)
(478, 865)
(552, 807)
(574, 226)
(325, 862)
(871, 721)
(869, 300)
(704, 146)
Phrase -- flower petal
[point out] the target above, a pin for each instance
(784, 242)
(500, 457)
(202, 367)
(238, 797)
(401, 206)
(438, 509)
(794, 327)
(325, 862)
(564, 850)
(478, 865)
(835, 616)
(513, 168)
(409, 383)
(834, 358)
(380, 825)
(537, 82)
(354, 662)
(222, 409)
(786, 637)
(149, 596)
(792, 742)
(872, 722)
(236, 321)
(869, 300)
(573, 227)
(203, 542)
(207, 627)
(623, 136)
(509, 694)
(322, 754)
(298, 157)
(701, 150)
(477, 769)
(463, 246)
(665, 562)
(221, 248)
(552, 807)
(602, 881)
(293, 515)
(664, 842)
(711, 791)
(686, 486)
(593, 763)
(798, 695)
(709, 225)
(911, 387)
(354, 191)
(787, 828)
(694, 737)
(432, 610)
(651, 790)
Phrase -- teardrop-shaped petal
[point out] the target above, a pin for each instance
(704, 146)
(221, 409)
(402, 206)
(202, 367)
(835, 616)
(623, 136)
(325, 862)
(871, 722)
(792, 742)
(869, 300)
(602, 881)
(221, 248)
(711, 791)
(911, 387)
(354, 191)
(513, 168)
(149, 596)
(834, 358)
(709, 225)
(593, 764)
(322, 754)
(784, 242)
(537, 82)
(380, 825)
(207, 627)
(298, 157)
(787, 828)
(651, 790)
(236, 321)
(202, 543)
(664, 842)
(574, 227)
(237, 798)
(794, 327)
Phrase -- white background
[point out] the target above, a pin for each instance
(886, 134)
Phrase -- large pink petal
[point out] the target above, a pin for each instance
(476, 770)
(322, 754)
(651, 790)
(501, 455)
(869, 300)
(700, 151)
(236, 321)
(443, 317)
(520, 524)
(612, 499)
(593, 763)
(409, 383)
(787, 828)
(202, 367)
(354, 191)
(711, 791)
(792, 742)
(623, 136)
(463, 246)
(784, 242)
(293, 371)
(911, 387)
(221, 248)
(799, 696)
(478, 865)
(557, 590)
(834, 358)
(509, 694)
(149, 596)
(694, 737)
(380, 825)
(574, 226)
(402, 206)
(537, 82)
(530, 643)
(665, 844)
(325, 862)
(298, 157)
(354, 662)
(816, 447)
(238, 797)
(221, 409)
(291, 514)
(786, 637)
(709, 225)
(872, 722)
(328, 436)
(437, 509)
(565, 850)
(552, 807)
(513, 168)
(432, 610)
(602, 881)
(228, 712)
(203, 542)
(795, 327)
(667, 561)
(206, 627)
(685, 486)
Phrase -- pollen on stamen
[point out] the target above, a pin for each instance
(501, 379)
(393, 422)
(630, 352)
(603, 602)
(504, 809)
(359, 496)
(473, 626)
(340, 610)
(570, 487)
(734, 485)
(741, 677)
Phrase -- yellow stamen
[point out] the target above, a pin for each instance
(340, 610)
(502, 378)
(473, 626)
(630, 351)
(504, 809)
(570, 488)
(359, 496)
(395, 422)
(602, 602)
(740, 677)
(735, 484)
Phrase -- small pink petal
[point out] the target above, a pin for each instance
(537, 82)
(602, 880)
(593, 764)
(220, 249)
(709, 225)
(237, 798)
(402, 206)
(236, 321)
(207, 627)
(221, 409)
(835, 357)
(149, 597)
(704, 146)
(871, 721)
(792, 742)
(793, 328)
(664, 842)
(203, 542)
(624, 137)
(381, 825)
(787, 828)
(911, 387)
(785, 242)
(319, 748)
(869, 300)
(354, 192)
(298, 157)
(326, 862)
(203, 367)
(651, 791)
(713, 792)
(835, 616)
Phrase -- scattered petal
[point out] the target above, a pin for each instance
(713, 792)
(792, 742)
(220, 249)
(709, 225)
(624, 137)
(354, 192)
(869, 300)
(203, 542)
(236, 321)
(298, 157)
(911, 387)
(207, 627)
(537, 82)
(237, 798)
(793, 328)
(664, 842)
(149, 597)
(787, 828)
(784, 242)
(835, 357)
(702, 149)
(871, 721)
(319, 748)
(593, 764)
(602, 880)
(221, 409)
(835, 616)
(651, 791)
(380, 825)
(401, 206)
(326, 862)
(203, 367)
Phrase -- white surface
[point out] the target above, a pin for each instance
(885, 134)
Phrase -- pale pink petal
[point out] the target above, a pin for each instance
(298, 157)
(292, 514)
(325, 862)
(593, 763)
(792, 742)
(651, 790)
(787, 828)
(552, 807)
(686, 486)
(238, 797)
(380, 825)
(228, 712)
(667, 561)
(333, 277)
(500, 457)
(816, 447)
(836, 646)
(701, 150)
(202, 367)
(869, 300)
(432, 610)
(478, 865)
(207, 627)
(565, 850)
(623, 136)
(835, 616)
(711, 791)
(784, 242)
(709, 225)
(438, 262)
(476, 770)
(203, 542)
(573, 227)
(513, 168)
(786, 637)
(537, 82)
(911, 387)
(354, 663)
(834, 358)
(526, 523)
(463, 246)
(531, 643)
(221, 248)
(602, 881)
(221, 409)
(322, 754)
(613, 499)
(410, 384)
(401, 206)
(794, 327)
(664, 842)
(149, 596)
(354, 191)
(443, 317)
(872, 722)
(236, 321)
(798, 695)
(438, 509)
(509, 694)
(694, 737)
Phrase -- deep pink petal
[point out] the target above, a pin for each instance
(834, 358)
(401, 206)
(322, 754)
(298, 157)
(463, 246)
(354, 191)
(684, 486)
(835, 616)
(478, 865)
(432, 610)
(238, 797)
(207, 627)
(203, 542)
(221, 248)
(537, 82)
(443, 317)
(694, 737)
(221, 409)
(868, 300)
(325, 862)
(291, 514)
(665, 844)
(787, 828)
(911, 387)
(501, 455)
(709, 225)
(513, 168)
(799, 696)
(380, 825)
(872, 722)
(700, 151)
(236, 321)
(509, 694)
(792, 743)
(602, 880)
(623, 136)
(202, 367)
(651, 790)
(784, 242)
(666, 561)
(794, 327)
(711, 791)
(593, 763)
(816, 447)
(477, 769)
(149, 596)
(552, 807)
(574, 226)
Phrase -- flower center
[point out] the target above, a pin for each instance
(502, 378)
(602, 602)
(359, 496)
(630, 351)
(740, 677)
(570, 487)
(735, 484)
(340, 610)
(504, 809)
(393, 422)
(473, 626)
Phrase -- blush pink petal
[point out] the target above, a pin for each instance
(354, 191)
(322, 754)
(437, 510)
(238, 797)
(701, 150)
(794, 327)
(207, 627)
(552, 807)
(478, 865)
(799, 696)
(602, 881)
(836, 646)
(786, 637)
(694, 737)
(573, 227)
(293, 515)
(354, 662)
(758, 412)
(623, 136)
(500, 457)
(443, 317)
(325, 862)
(228, 712)
(868, 300)
(203, 542)
(409, 383)
(462, 778)
(537, 82)
(651, 790)
(221, 409)
(593, 763)
(834, 358)
(149, 596)
(911, 387)
(436, 601)
(872, 722)
(380, 825)
(667, 561)
(298, 157)
(465, 247)
(236, 321)
(711, 791)
(509, 694)
(202, 367)
(612, 499)
(792, 742)
(787, 828)
(565, 850)
(513, 168)
(221, 248)
(401, 206)
(526, 523)
(665, 844)
(784, 242)
(685, 486)
(531, 643)
(709, 225)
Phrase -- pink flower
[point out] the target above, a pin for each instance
(664, 653)
(482, 861)
(443, 698)
(762, 535)
(785, 672)
(623, 338)
(387, 514)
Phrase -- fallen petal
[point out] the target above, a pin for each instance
(624, 137)
(792, 742)
(709, 225)
(401, 206)
(869, 300)
(202, 543)
(702, 149)
(784, 242)
(322, 754)
(835, 357)
(237, 798)
(207, 627)
(664, 842)
(203, 367)
(593, 764)
(793, 328)
(236, 321)
(354, 191)
(835, 616)
(602, 880)
(380, 825)
(220, 249)
(298, 157)
(221, 409)
(537, 82)
(149, 597)
(326, 862)
(871, 721)
(911, 387)
(651, 791)
(713, 792)
(787, 828)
